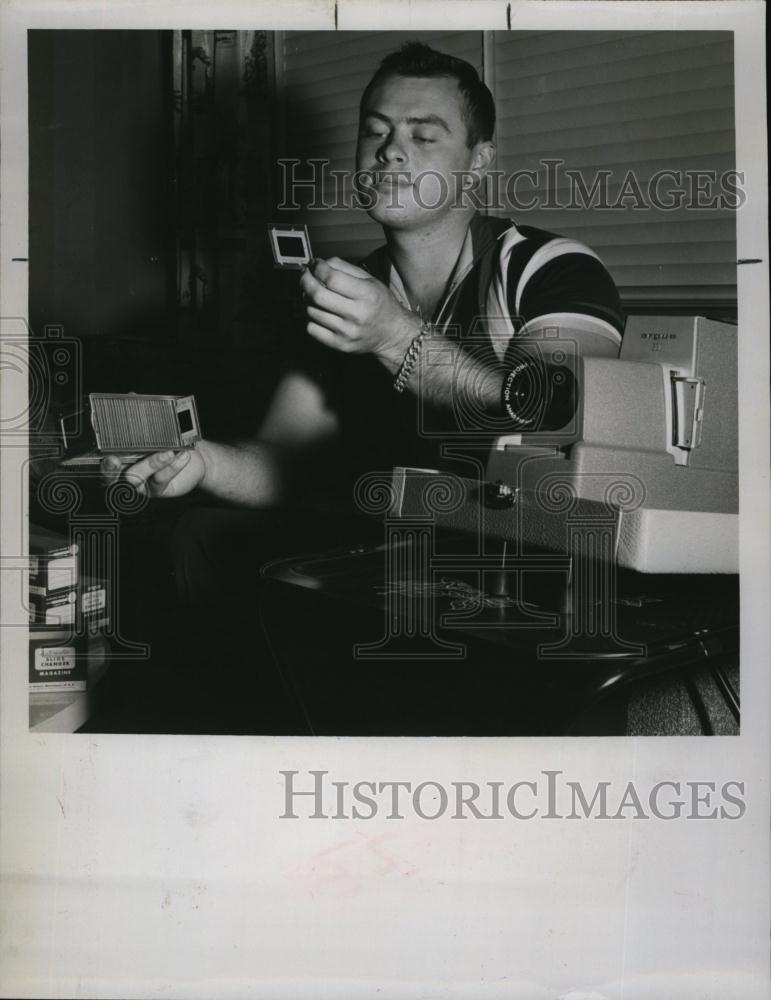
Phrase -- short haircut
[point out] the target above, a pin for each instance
(420, 60)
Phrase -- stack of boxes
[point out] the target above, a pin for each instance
(68, 615)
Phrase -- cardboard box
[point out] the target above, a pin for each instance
(53, 561)
(58, 661)
(57, 608)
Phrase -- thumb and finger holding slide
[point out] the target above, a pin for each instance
(343, 265)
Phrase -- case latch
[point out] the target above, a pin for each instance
(687, 411)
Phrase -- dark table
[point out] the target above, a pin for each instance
(380, 639)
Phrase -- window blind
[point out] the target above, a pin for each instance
(627, 103)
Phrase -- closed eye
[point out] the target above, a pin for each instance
(373, 132)
(425, 137)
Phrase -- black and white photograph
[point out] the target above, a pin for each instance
(385, 438)
(401, 392)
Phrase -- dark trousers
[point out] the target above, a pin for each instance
(226, 648)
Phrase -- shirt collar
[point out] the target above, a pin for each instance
(481, 234)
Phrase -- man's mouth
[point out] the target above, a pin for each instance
(387, 180)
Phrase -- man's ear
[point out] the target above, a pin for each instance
(482, 158)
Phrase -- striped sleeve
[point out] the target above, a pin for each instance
(549, 276)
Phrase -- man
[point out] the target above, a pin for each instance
(368, 393)
(426, 127)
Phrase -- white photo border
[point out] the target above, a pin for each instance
(149, 866)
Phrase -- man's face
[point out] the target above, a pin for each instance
(412, 149)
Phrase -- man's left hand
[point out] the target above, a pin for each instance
(353, 312)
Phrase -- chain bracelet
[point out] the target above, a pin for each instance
(410, 358)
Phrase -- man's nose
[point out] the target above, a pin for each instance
(392, 151)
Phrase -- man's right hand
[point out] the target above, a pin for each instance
(162, 474)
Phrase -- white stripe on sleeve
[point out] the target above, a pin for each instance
(572, 321)
(548, 252)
